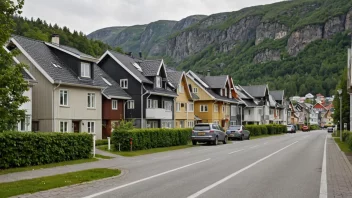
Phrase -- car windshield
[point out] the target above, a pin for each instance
(201, 127)
(234, 127)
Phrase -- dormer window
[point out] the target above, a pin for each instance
(85, 70)
(158, 82)
(124, 83)
(225, 92)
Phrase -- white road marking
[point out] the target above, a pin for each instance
(254, 146)
(323, 181)
(236, 173)
(236, 151)
(145, 179)
(265, 142)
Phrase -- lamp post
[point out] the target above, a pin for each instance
(340, 97)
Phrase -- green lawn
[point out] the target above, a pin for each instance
(102, 156)
(264, 136)
(56, 181)
(143, 152)
(29, 168)
(343, 145)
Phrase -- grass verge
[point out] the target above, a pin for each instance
(102, 156)
(56, 181)
(29, 168)
(343, 146)
(265, 136)
(143, 152)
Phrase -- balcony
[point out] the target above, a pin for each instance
(158, 114)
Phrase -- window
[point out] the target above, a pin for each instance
(203, 108)
(85, 70)
(232, 123)
(190, 124)
(23, 125)
(178, 107)
(167, 105)
(216, 108)
(114, 104)
(124, 83)
(195, 90)
(91, 100)
(190, 107)
(158, 81)
(63, 126)
(260, 112)
(149, 103)
(130, 104)
(225, 92)
(249, 112)
(63, 97)
(155, 104)
(91, 127)
(180, 88)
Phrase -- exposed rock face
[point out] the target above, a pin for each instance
(348, 24)
(334, 25)
(213, 20)
(105, 34)
(187, 22)
(270, 31)
(267, 55)
(301, 38)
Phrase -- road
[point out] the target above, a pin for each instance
(281, 166)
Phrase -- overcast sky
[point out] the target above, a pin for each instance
(90, 15)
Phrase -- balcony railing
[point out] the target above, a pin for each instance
(158, 114)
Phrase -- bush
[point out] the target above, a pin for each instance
(314, 127)
(269, 129)
(101, 142)
(19, 149)
(150, 138)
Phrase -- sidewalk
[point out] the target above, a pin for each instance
(339, 172)
(101, 152)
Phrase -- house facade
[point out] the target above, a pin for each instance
(280, 113)
(152, 95)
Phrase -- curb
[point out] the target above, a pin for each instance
(344, 156)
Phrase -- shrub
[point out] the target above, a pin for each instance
(314, 127)
(25, 148)
(101, 142)
(269, 129)
(150, 138)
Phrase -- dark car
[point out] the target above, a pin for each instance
(209, 133)
(305, 128)
(291, 129)
(238, 132)
(330, 129)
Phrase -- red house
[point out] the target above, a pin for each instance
(319, 107)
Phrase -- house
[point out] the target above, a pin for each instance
(184, 108)
(314, 117)
(280, 114)
(68, 96)
(260, 95)
(251, 112)
(146, 81)
(320, 98)
(216, 95)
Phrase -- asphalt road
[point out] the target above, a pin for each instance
(281, 166)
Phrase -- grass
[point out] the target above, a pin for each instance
(343, 146)
(143, 152)
(45, 183)
(29, 168)
(265, 136)
(103, 156)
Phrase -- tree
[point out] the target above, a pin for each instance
(12, 84)
(345, 101)
(119, 49)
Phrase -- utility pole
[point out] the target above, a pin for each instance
(340, 97)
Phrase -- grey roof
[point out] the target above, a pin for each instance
(161, 91)
(26, 75)
(255, 90)
(174, 77)
(150, 67)
(128, 62)
(75, 51)
(215, 82)
(223, 98)
(194, 96)
(272, 102)
(277, 95)
(242, 94)
(249, 102)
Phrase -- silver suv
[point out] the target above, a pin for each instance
(209, 133)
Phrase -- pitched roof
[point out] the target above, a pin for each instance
(26, 75)
(160, 91)
(75, 51)
(215, 82)
(249, 102)
(278, 94)
(222, 98)
(150, 67)
(174, 77)
(256, 90)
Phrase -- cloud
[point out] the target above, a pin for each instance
(90, 15)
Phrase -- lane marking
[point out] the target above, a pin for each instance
(254, 146)
(235, 173)
(323, 181)
(145, 179)
(265, 143)
(236, 151)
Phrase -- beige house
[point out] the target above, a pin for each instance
(68, 96)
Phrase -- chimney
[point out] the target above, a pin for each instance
(140, 55)
(55, 39)
(208, 73)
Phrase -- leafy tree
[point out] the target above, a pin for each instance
(345, 101)
(119, 49)
(12, 84)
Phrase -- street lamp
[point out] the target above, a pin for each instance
(340, 97)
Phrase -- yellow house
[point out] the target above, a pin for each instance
(184, 105)
(216, 95)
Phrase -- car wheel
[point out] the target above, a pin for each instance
(241, 138)
(225, 140)
(249, 137)
(194, 142)
(216, 141)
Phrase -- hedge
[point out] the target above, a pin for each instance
(101, 142)
(270, 129)
(19, 149)
(150, 138)
(347, 138)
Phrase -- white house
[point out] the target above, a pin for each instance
(313, 117)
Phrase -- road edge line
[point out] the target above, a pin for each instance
(323, 182)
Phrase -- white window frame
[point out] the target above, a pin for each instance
(168, 105)
(216, 108)
(149, 104)
(124, 83)
(203, 108)
(225, 92)
(23, 123)
(195, 89)
(190, 124)
(155, 104)
(178, 107)
(65, 101)
(114, 104)
(180, 88)
(221, 92)
(158, 81)
(91, 129)
(85, 70)
(91, 101)
(189, 107)
(63, 126)
(130, 104)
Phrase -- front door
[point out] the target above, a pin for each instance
(75, 126)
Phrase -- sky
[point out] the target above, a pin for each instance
(90, 15)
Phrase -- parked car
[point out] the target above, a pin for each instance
(305, 128)
(330, 129)
(209, 133)
(291, 129)
(238, 132)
